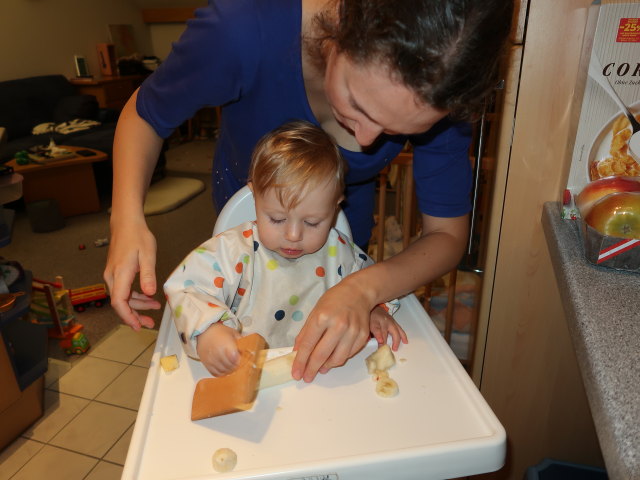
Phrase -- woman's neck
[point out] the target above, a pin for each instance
(313, 72)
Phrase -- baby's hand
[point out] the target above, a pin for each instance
(218, 350)
(382, 324)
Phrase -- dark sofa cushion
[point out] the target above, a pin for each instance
(27, 102)
(69, 108)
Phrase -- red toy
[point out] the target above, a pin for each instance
(83, 297)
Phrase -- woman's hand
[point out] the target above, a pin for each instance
(132, 247)
(132, 250)
(337, 329)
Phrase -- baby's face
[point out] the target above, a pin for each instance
(298, 231)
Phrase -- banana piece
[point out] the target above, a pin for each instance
(382, 359)
(378, 374)
(387, 387)
(277, 371)
(169, 363)
(224, 460)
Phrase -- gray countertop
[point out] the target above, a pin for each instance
(603, 316)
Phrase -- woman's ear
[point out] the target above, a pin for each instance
(250, 185)
(340, 200)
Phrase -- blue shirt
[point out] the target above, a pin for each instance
(245, 55)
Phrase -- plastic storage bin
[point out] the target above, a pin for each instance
(550, 469)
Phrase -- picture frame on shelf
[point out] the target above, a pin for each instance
(82, 68)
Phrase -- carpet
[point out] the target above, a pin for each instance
(72, 251)
(191, 157)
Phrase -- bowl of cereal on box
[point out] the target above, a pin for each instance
(609, 153)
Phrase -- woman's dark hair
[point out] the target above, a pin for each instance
(446, 51)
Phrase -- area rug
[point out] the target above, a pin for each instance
(171, 192)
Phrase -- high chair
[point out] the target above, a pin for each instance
(336, 427)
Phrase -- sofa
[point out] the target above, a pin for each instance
(29, 102)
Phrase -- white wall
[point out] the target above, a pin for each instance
(40, 37)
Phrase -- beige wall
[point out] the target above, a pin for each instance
(40, 37)
(163, 35)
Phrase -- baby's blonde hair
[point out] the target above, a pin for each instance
(293, 158)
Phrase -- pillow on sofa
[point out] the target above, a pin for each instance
(76, 106)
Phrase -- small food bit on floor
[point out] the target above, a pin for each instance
(224, 460)
(169, 363)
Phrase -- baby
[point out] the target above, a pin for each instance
(266, 276)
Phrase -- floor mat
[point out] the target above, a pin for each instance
(170, 193)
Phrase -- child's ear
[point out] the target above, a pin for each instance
(340, 200)
(250, 185)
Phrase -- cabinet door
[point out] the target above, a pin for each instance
(9, 390)
(519, 21)
(525, 363)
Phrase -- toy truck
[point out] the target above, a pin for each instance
(83, 297)
(77, 344)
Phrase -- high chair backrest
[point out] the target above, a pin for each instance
(241, 208)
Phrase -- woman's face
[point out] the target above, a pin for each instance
(367, 101)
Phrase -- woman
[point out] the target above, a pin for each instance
(372, 73)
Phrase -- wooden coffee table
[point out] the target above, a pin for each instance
(70, 182)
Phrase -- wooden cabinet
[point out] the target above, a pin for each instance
(524, 361)
(111, 92)
(23, 363)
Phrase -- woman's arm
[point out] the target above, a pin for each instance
(132, 247)
(339, 324)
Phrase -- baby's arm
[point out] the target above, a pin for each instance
(198, 291)
(217, 349)
(382, 325)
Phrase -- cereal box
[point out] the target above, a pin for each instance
(611, 59)
(600, 148)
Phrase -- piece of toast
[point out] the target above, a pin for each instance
(234, 392)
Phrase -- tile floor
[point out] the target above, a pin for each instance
(90, 410)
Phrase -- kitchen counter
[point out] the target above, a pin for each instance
(603, 315)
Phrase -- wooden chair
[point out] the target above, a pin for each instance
(398, 178)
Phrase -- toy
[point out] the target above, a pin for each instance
(83, 297)
(22, 157)
(392, 239)
(101, 242)
(77, 344)
(51, 306)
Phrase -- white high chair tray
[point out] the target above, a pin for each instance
(336, 428)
